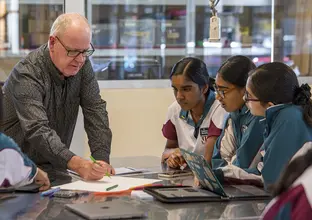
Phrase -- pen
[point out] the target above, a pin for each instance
(112, 187)
(50, 192)
(94, 161)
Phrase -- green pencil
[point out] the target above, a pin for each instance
(94, 161)
(111, 187)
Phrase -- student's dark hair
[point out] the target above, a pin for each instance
(277, 83)
(294, 170)
(193, 69)
(235, 70)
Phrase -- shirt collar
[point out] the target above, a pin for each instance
(55, 73)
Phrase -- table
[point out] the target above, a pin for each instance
(32, 206)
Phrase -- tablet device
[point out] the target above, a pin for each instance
(115, 209)
(31, 188)
(209, 181)
(175, 174)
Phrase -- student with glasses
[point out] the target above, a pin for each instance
(242, 134)
(42, 96)
(273, 91)
(195, 119)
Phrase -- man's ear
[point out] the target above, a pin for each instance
(51, 43)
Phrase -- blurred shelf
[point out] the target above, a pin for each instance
(183, 52)
(42, 2)
(139, 2)
(182, 2)
(254, 51)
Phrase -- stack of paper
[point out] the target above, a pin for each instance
(124, 183)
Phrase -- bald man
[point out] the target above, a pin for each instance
(42, 97)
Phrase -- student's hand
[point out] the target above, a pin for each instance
(175, 160)
(94, 171)
(42, 179)
(196, 181)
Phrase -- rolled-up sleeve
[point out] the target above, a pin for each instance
(95, 116)
(27, 95)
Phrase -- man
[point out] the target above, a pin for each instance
(42, 97)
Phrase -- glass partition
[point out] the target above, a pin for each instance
(24, 25)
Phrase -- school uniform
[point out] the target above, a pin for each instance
(285, 133)
(239, 142)
(192, 136)
(16, 169)
(296, 202)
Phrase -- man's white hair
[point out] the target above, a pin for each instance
(63, 21)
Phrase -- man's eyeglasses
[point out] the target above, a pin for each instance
(76, 53)
(222, 93)
(247, 98)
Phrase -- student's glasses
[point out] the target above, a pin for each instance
(247, 98)
(222, 91)
(76, 53)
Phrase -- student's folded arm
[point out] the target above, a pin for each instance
(19, 169)
(27, 95)
(95, 115)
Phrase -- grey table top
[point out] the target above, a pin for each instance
(32, 206)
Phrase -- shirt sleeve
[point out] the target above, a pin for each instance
(219, 116)
(169, 131)
(27, 94)
(17, 169)
(95, 115)
(213, 131)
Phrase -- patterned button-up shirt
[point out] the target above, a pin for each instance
(40, 110)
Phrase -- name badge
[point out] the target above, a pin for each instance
(204, 135)
(203, 131)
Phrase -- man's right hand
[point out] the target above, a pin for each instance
(175, 160)
(89, 170)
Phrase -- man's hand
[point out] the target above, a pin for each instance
(175, 160)
(42, 179)
(89, 170)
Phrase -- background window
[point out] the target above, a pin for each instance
(24, 25)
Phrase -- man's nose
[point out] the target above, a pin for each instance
(80, 58)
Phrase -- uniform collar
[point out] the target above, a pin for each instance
(240, 112)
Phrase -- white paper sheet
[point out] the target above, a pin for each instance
(124, 183)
